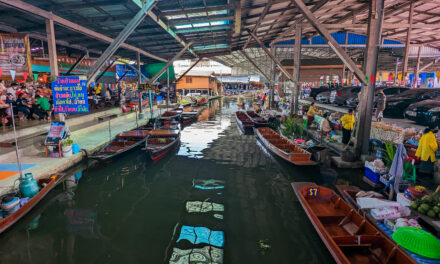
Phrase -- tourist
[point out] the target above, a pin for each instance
(23, 106)
(380, 107)
(263, 99)
(311, 114)
(347, 122)
(426, 150)
(44, 107)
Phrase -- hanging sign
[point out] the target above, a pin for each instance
(15, 55)
(70, 95)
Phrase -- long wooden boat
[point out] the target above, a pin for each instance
(201, 101)
(244, 122)
(171, 115)
(257, 119)
(283, 147)
(122, 143)
(348, 236)
(160, 142)
(45, 185)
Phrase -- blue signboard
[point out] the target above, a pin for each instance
(122, 69)
(70, 95)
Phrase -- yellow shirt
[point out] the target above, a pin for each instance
(312, 111)
(348, 121)
(427, 147)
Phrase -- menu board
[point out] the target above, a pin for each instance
(70, 95)
(15, 56)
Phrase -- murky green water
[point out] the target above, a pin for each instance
(221, 197)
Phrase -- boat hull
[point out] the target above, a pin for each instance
(299, 157)
(157, 154)
(244, 123)
(348, 236)
(7, 222)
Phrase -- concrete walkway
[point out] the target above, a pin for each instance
(91, 139)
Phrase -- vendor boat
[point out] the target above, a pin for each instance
(244, 122)
(171, 115)
(257, 119)
(160, 142)
(283, 147)
(122, 143)
(348, 236)
(201, 101)
(44, 185)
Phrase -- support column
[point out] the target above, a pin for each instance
(370, 67)
(120, 39)
(168, 87)
(345, 49)
(396, 70)
(138, 61)
(296, 70)
(52, 48)
(416, 73)
(274, 77)
(408, 43)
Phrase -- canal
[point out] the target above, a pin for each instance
(221, 198)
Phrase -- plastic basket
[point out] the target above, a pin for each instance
(372, 176)
(418, 241)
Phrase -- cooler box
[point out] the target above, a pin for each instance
(372, 176)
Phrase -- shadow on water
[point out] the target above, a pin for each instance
(221, 198)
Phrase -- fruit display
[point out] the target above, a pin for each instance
(428, 205)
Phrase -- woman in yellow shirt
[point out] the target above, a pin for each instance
(347, 122)
(311, 114)
(426, 151)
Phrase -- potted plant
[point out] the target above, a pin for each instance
(67, 147)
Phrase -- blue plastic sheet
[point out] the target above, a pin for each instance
(198, 235)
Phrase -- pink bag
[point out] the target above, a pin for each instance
(124, 109)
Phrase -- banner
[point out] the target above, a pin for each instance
(15, 55)
(70, 95)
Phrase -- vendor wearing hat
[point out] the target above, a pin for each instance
(426, 150)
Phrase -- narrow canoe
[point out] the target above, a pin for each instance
(283, 147)
(348, 236)
(123, 143)
(45, 186)
(171, 115)
(257, 119)
(160, 142)
(244, 122)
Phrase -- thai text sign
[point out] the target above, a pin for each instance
(70, 95)
(15, 55)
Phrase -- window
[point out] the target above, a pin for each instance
(189, 80)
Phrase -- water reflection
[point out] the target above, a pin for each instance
(217, 201)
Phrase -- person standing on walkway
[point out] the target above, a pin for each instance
(325, 126)
(426, 150)
(381, 103)
(311, 114)
(347, 122)
(263, 99)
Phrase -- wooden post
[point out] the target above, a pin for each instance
(416, 73)
(408, 42)
(296, 69)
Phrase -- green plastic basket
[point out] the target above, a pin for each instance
(417, 241)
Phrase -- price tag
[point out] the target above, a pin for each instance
(313, 192)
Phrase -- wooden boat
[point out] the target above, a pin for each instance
(348, 236)
(160, 142)
(171, 115)
(244, 122)
(201, 101)
(122, 143)
(257, 119)
(45, 186)
(283, 147)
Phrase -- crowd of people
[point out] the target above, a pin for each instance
(29, 101)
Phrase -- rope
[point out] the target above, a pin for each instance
(326, 198)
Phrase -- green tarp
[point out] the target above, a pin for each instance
(154, 68)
